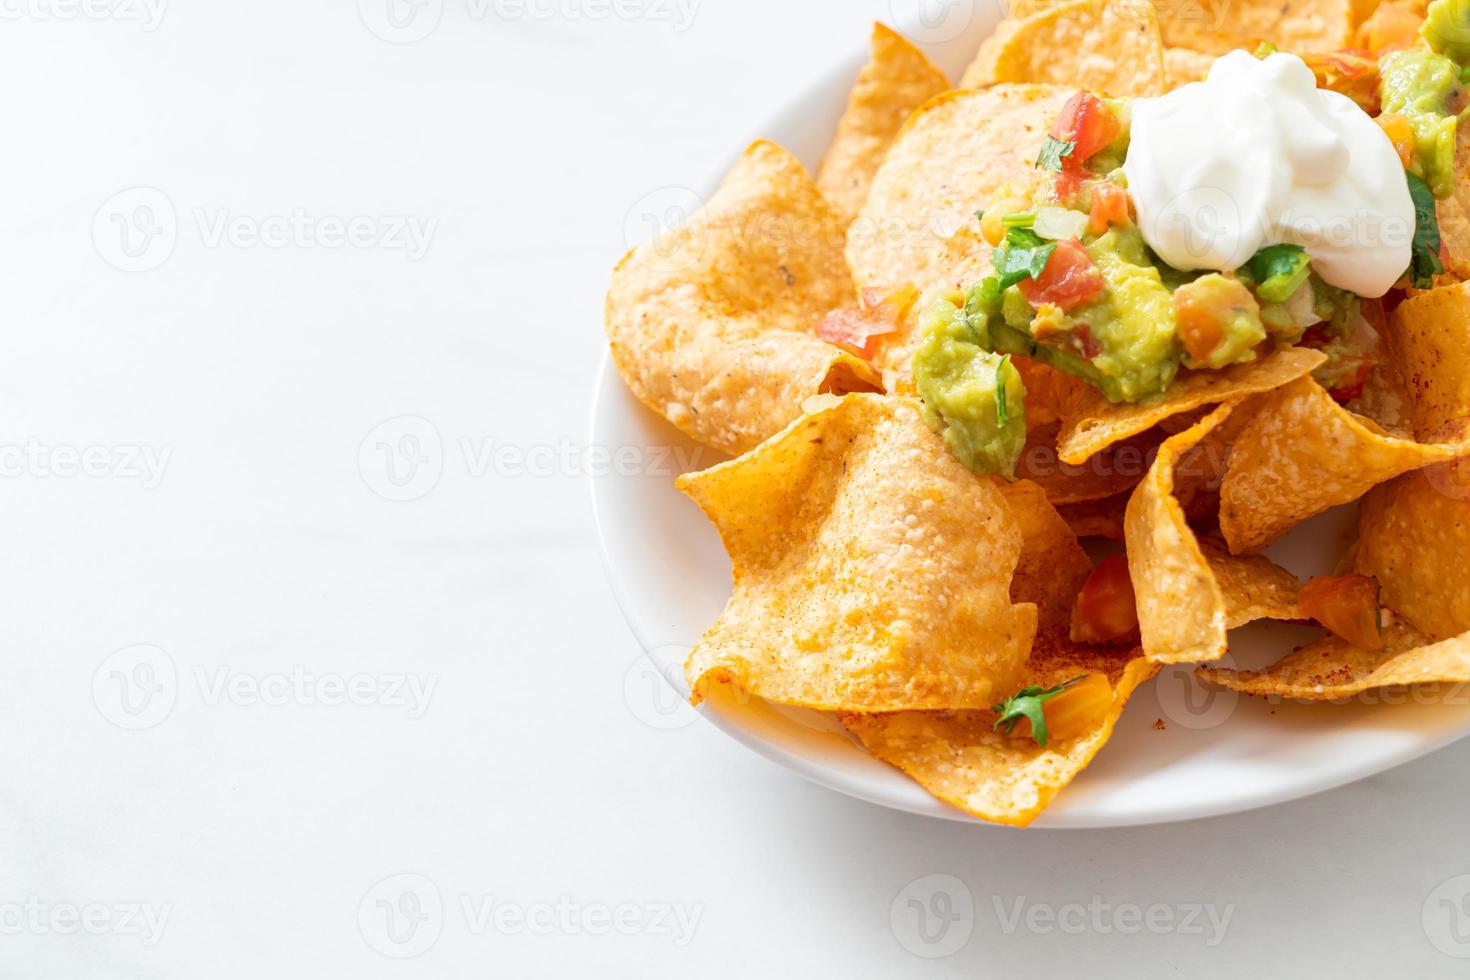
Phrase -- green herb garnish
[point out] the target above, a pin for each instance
(1021, 256)
(1424, 263)
(1279, 271)
(1053, 151)
(1001, 415)
(1026, 703)
(1021, 219)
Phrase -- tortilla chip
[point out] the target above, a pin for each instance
(711, 324)
(872, 569)
(1053, 565)
(1414, 538)
(1252, 586)
(1218, 26)
(1189, 593)
(1115, 470)
(955, 155)
(1097, 518)
(1098, 423)
(1181, 610)
(962, 760)
(894, 83)
(1111, 48)
(1303, 453)
(1332, 668)
(1429, 335)
(1182, 66)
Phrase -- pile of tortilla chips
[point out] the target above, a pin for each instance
(877, 578)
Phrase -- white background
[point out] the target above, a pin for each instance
(533, 773)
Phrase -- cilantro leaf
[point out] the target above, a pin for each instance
(1027, 703)
(1424, 263)
(1279, 270)
(1002, 416)
(1021, 256)
(1053, 151)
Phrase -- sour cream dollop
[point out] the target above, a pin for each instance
(1256, 155)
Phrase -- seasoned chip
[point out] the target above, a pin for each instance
(1053, 565)
(1097, 423)
(954, 156)
(710, 325)
(1332, 668)
(872, 569)
(1217, 26)
(1115, 470)
(1303, 453)
(1113, 48)
(1097, 518)
(1182, 66)
(894, 83)
(1414, 538)
(960, 757)
(1189, 593)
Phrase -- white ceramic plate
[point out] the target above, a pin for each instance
(1216, 753)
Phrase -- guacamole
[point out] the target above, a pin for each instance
(1447, 28)
(974, 397)
(1425, 88)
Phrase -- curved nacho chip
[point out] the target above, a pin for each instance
(1117, 469)
(954, 155)
(1331, 668)
(710, 325)
(1414, 538)
(872, 569)
(962, 760)
(1181, 609)
(1303, 453)
(892, 85)
(1182, 66)
(1097, 518)
(1111, 47)
(1217, 26)
(1190, 592)
(1052, 566)
(1097, 423)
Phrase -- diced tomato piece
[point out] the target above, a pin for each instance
(1076, 711)
(1109, 207)
(1346, 605)
(1204, 309)
(857, 330)
(1089, 124)
(1400, 134)
(1068, 280)
(1315, 337)
(1106, 609)
(1353, 388)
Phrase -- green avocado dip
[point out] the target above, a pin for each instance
(974, 397)
(1447, 29)
(1424, 88)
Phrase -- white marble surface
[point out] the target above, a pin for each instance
(242, 688)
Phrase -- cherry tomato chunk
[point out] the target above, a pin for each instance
(1106, 608)
(1068, 280)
